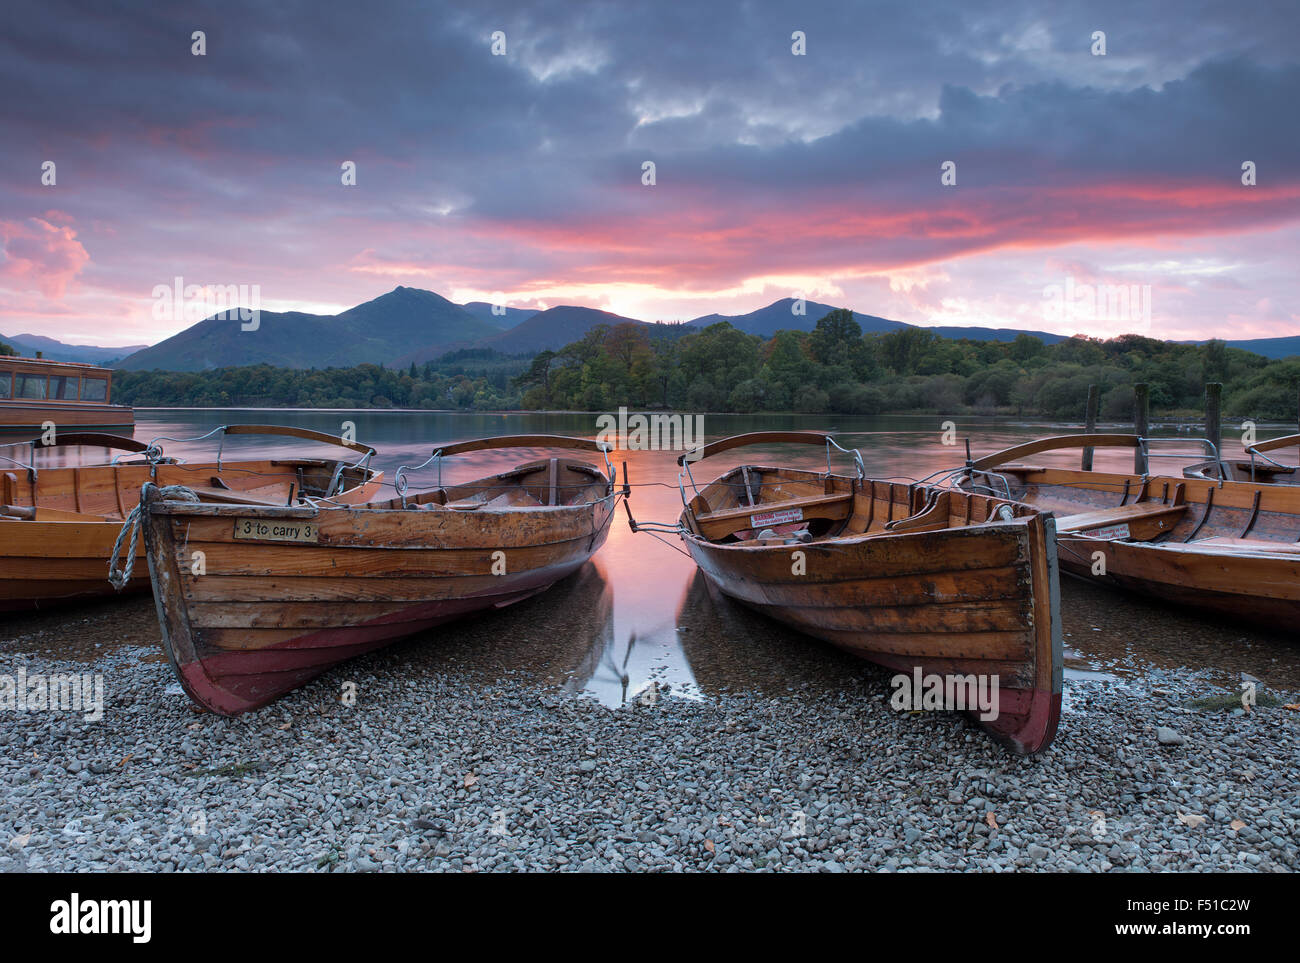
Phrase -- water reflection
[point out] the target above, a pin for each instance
(732, 648)
(1124, 635)
(555, 637)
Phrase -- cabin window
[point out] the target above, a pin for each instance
(63, 387)
(6, 379)
(28, 385)
(94, 389)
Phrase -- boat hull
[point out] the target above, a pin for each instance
(978, 600)
(1225, 548)
(21, 419)
(1261, 590)
(259, 618)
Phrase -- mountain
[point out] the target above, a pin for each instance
(779, 315)
(553, 328)
(996, 334)
(410, 325)
(28, 344)
(379, 331)
(483, 311)
(289, 340)
(1269, 347)
(409, 318)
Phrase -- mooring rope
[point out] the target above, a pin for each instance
(119, 577)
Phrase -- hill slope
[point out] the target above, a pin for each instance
(553, 328)
(378, 331)
(28, 344)
(483, 311)
(1270, 347)
(780, 316)
(995, 334)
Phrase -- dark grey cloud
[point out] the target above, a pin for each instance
(175, 156)
(287, 88)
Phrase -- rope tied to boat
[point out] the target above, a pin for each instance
(119, 577)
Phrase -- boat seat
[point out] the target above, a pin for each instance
(1264, 468)
(210, 493)
(1161, 515)
(728, 521)
(514, 498)
(48, 514)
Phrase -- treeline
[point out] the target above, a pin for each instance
(473, 379)
(834, 368)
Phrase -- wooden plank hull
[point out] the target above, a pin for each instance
(1262, 590)
(62, 554)
(263, 617)
(964, 596)
(1228, 548)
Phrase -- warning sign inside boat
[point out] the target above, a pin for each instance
(777, 518)
(1109, 532)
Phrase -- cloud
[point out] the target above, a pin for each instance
(38, 255)
(522, 173)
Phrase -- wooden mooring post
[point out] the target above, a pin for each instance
(1141, 425)
(1214, 417)
(1090, 423)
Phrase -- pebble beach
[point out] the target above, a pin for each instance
(469, 754)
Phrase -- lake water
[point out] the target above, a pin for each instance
(639, 614)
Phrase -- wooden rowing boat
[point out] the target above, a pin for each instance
(58, 525)
(1225, 547)
(916, 578)
(1257, 466)
(279, 595)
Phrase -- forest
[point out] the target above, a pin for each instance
(833, 368)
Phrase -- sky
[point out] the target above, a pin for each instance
(516, 175)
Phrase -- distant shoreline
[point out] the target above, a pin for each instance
(1180, 420)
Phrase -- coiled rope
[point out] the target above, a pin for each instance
(119, 577)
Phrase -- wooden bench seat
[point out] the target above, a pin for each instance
(230, 496)
(728, 521)
(1150, 518)
(513, 498)
(47, 514)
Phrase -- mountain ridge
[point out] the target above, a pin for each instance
(54, 350)
(412, 326)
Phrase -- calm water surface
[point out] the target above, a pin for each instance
(638, 614)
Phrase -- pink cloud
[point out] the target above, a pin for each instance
(40, 255)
